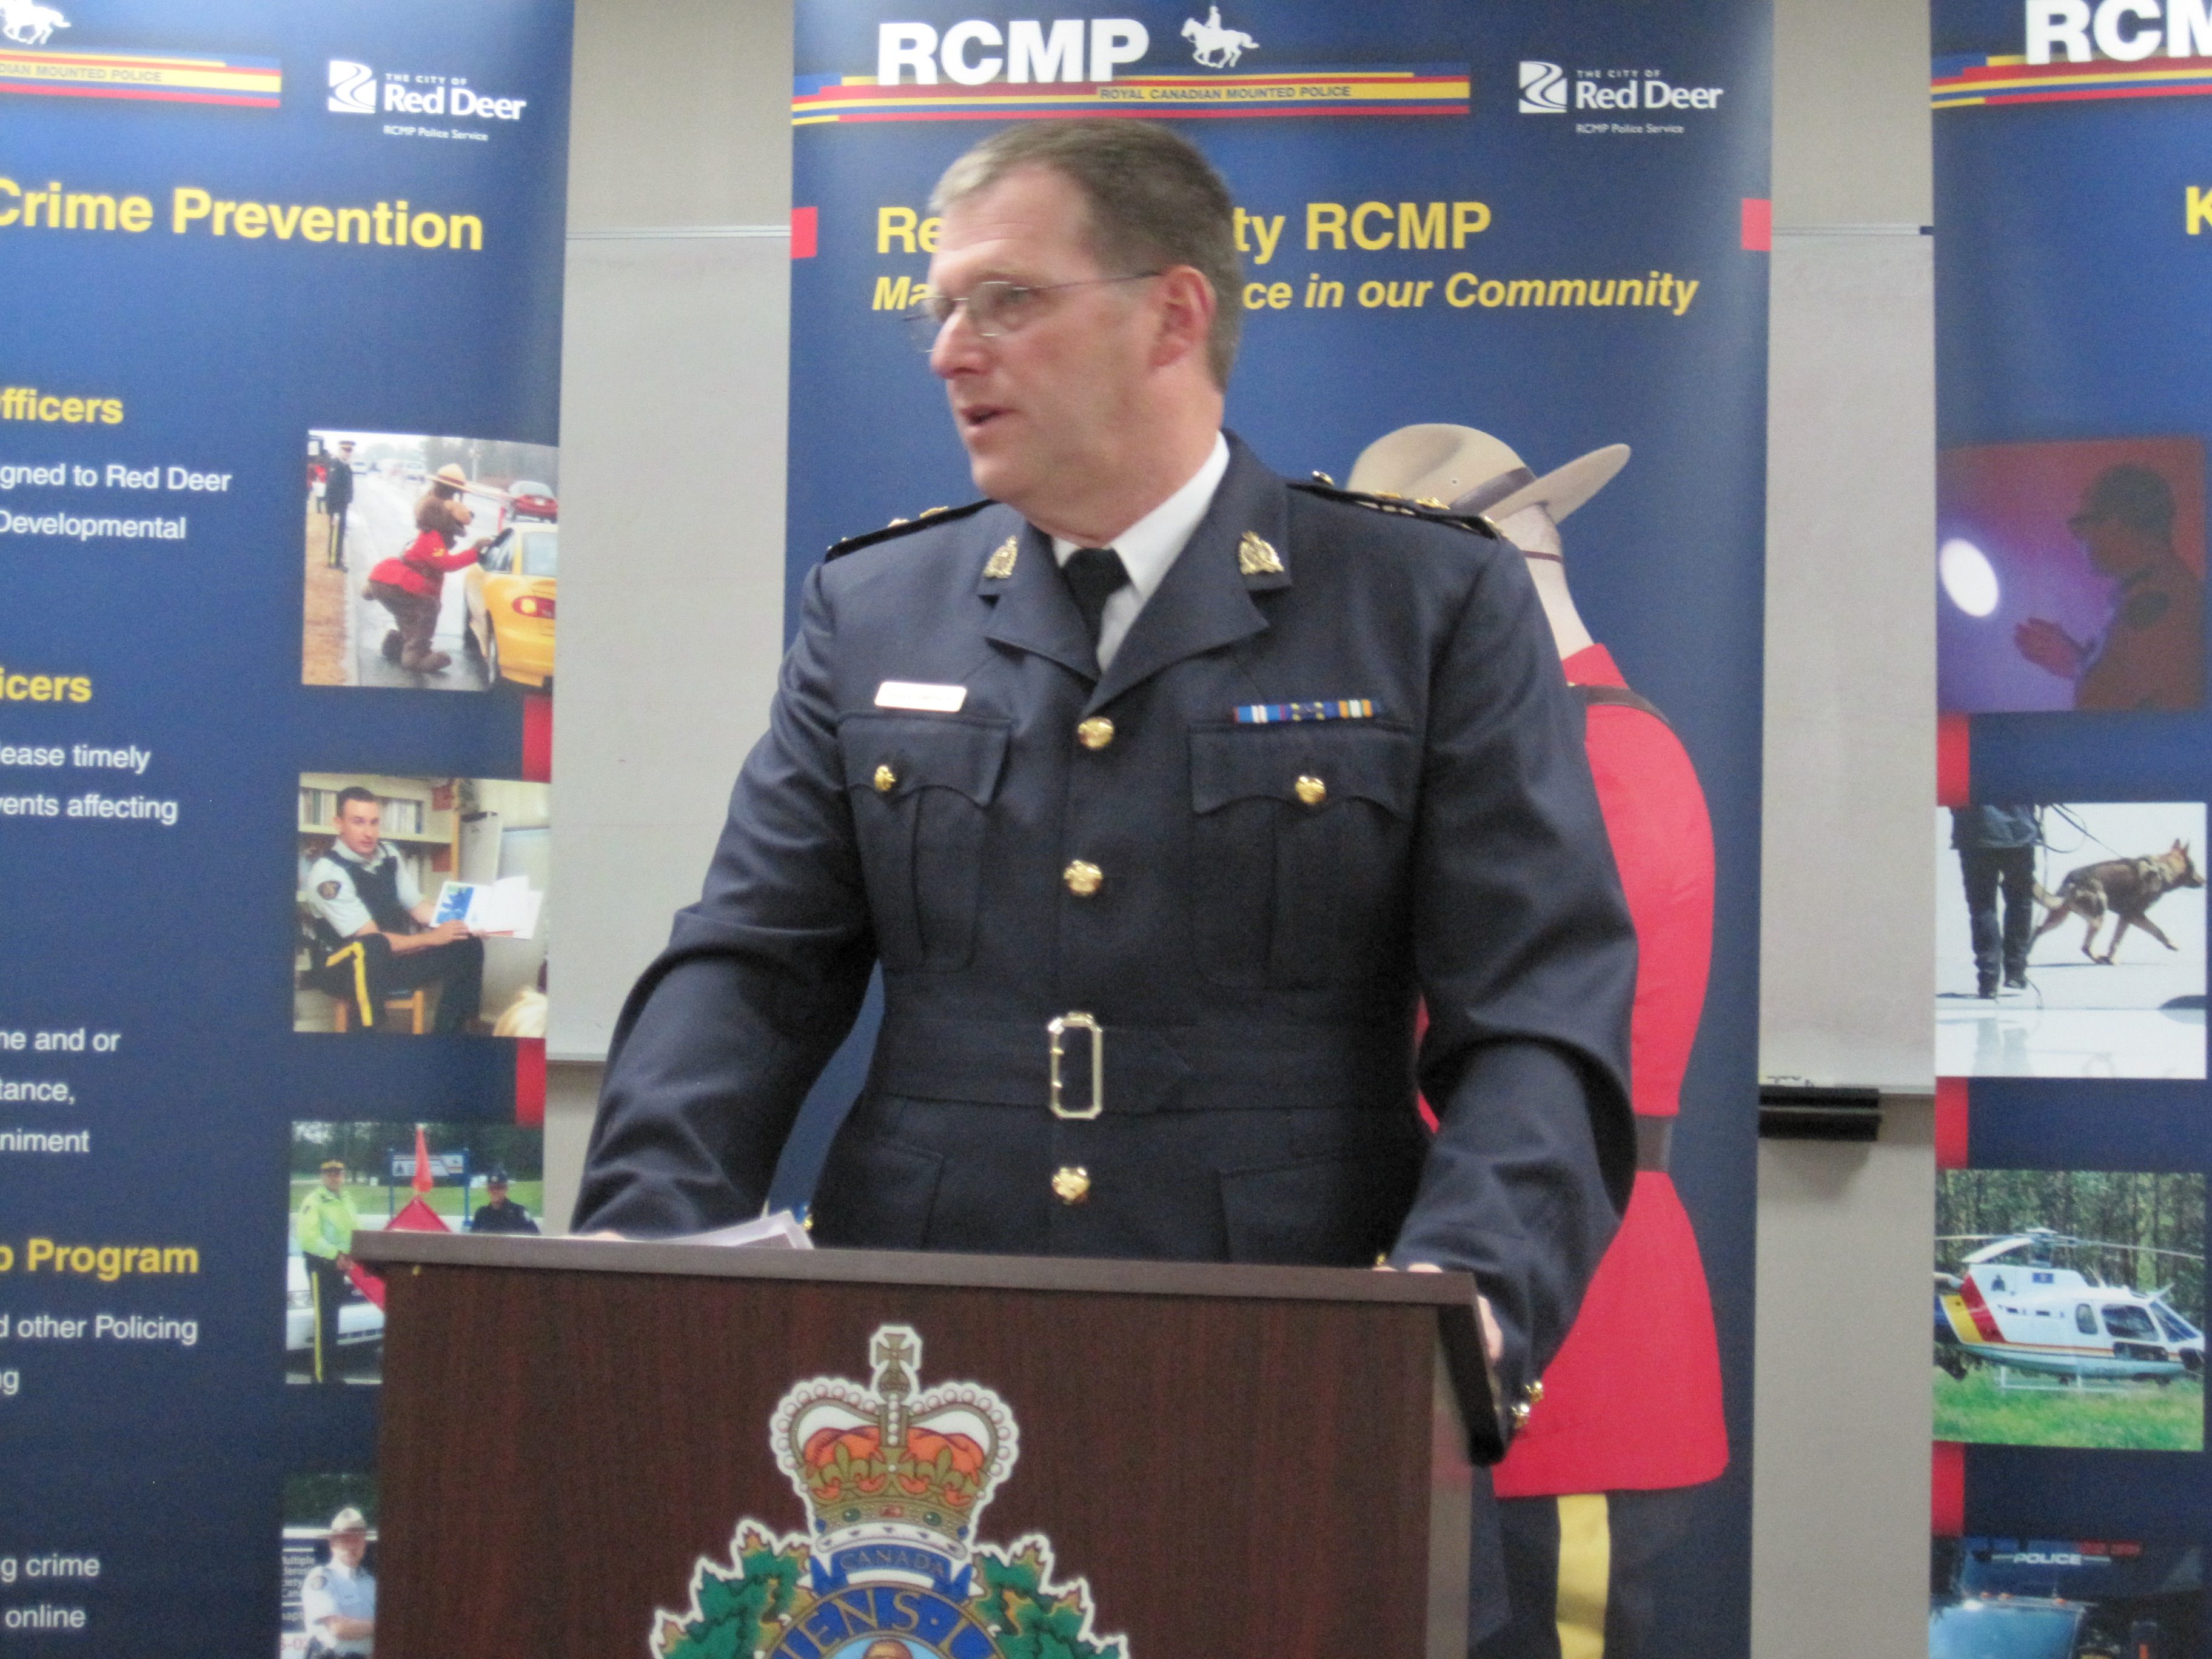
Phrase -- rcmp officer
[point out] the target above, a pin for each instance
(2151, 655)
(338, 500)
(499, 1213)
(373, 930)
(1162, 790)
(337, 1600)
(324, 1224)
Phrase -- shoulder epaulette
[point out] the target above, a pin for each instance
(1426, 506)
(921, 520)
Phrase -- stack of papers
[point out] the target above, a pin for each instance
(507, 908)
(778, 1230)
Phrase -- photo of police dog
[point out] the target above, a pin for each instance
(2070, 939)
(432, 563)
(349, 1178)
(330, 1567)
(2023, 1595)
(420, 905)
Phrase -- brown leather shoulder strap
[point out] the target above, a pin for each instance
(1618, 697)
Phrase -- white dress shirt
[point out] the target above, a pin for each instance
(1150, 547)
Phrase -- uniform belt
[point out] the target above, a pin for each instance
(1149, 1069)
(1654, 1142)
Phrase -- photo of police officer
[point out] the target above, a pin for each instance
(329, 1574)
(431, 562)
(499, 1212)
(2071, 576)
(373, 933)
(346, 1178)
(322, 1227)
(337, 501)
(421, 905)
(2150, 653)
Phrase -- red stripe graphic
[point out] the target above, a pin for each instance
(536, 740)
(1946, 1510)
(530, 1082)
(1951, 1099)
(148, 93)
(2079, 94)
(1156, 113)
(1986, 1322)
(1955, 760)
(1757, 225)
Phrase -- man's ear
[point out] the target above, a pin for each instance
(1185, 302)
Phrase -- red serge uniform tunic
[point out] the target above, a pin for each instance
(1632, 1401)
(420, 569)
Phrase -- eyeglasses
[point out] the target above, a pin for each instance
(994, 307)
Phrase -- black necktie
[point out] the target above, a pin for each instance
(1094, 575)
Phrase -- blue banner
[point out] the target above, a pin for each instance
(278, 540)
(2072, 203)
(1546, 223)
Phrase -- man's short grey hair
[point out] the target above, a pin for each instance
(1154, 201)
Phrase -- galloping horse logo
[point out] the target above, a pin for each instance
(1214, 45)
(29, 23)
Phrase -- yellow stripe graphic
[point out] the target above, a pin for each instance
(1585, 1570)
(359, 980)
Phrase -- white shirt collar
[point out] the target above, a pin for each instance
(1149, 547)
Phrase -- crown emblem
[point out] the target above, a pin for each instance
(893, 1466)
(894, 1477)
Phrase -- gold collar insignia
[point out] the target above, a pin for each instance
(1001, 562)
(1255, 557)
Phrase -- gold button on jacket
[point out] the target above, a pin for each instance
(1096, 733)
(1311, 790)
(1071, 1184)
(1083, 878)
(886, 779)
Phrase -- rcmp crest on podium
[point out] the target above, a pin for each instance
(895, 1480)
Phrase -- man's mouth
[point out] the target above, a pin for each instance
(975, 416)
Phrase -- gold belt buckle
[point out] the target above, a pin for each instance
(1058, 1027)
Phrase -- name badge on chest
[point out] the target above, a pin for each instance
(916, 694)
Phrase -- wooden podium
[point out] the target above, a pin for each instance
(1232, 1460)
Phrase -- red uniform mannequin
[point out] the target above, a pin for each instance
(1634, 1400)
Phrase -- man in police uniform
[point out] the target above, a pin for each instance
(499, 1213)
(337, 501)
(373, 933)
(2151, 655)
(1261, 768)
(324, 1224)
(337, 1600)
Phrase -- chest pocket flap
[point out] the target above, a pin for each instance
(1352, 760)
(1301, 834)
(895, 755)
(921, 786)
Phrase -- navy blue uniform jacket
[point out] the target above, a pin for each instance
(1254, 956)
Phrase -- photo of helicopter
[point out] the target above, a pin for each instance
(2068, 1309)
(2018, 1305)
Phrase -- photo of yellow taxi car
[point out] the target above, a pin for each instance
(510, 593)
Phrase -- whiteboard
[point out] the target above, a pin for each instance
(1847, 896)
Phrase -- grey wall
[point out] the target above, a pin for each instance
(1839, 1504)
(674, 475)
(673, 420)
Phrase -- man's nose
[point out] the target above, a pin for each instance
(958, 347)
